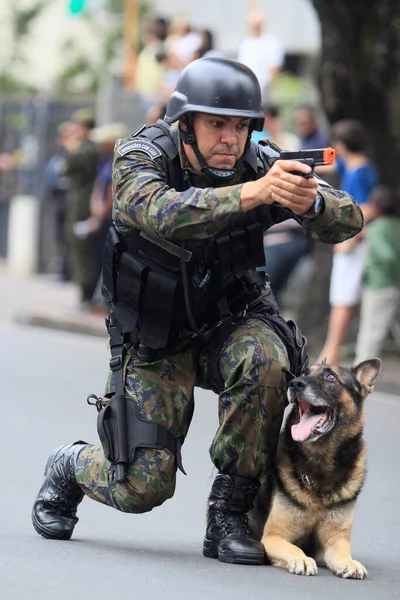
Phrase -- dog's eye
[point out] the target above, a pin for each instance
(330, 377)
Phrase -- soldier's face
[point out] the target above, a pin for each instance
(221, 140)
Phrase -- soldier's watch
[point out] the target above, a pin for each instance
(316, 208)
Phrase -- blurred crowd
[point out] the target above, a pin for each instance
(365, 270)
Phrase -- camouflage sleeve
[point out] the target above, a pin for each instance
(341, 219)
(143, 199)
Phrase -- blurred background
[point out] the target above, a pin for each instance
(77, 74)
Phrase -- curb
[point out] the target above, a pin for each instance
(93, 326)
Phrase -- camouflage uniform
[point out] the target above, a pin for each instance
(253, 359)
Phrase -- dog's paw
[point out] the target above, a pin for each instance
(303, 566)
(351, 570)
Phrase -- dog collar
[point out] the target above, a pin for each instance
(306, 480)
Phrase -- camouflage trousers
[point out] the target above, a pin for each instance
(252, 399)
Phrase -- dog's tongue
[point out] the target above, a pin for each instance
(304, 427)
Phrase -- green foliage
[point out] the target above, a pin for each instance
(78, 72)
(22, 19)
(107, 22)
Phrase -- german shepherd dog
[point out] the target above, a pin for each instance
(320, 469)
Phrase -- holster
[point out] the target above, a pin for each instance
(121, 431)
(120, 427)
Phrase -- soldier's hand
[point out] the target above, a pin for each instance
(292, 191)
(280, 185)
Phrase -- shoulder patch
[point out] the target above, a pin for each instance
(139, 145)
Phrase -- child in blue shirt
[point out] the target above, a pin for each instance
(358, 177)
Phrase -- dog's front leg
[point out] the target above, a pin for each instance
(284, 526)
(334, 534)
(284, 554)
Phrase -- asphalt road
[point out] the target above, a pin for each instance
(45, 378)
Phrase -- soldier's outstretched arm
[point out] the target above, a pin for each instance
(337, 217)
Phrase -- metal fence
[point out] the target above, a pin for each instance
(28, 132)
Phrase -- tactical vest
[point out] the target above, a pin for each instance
(169, 291)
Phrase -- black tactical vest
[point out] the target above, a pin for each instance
(167, 291)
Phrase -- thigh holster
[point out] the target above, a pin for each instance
(120, 427)
(121, 431)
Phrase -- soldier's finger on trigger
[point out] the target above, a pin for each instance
(292, 165)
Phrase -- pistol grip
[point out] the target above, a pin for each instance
(305, 175)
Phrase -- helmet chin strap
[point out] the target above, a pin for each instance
(212, 174)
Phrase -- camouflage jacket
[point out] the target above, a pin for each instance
(144, 200)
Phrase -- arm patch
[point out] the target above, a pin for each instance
(139, 145)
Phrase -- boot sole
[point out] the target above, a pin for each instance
(210, 550)
(48, 533)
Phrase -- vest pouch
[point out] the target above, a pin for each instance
(159, 305)
(131, 279)
(238, 252)
(111, 255)
(222, 249)
(255, 244)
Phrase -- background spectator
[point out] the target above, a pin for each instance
(262, 52)
(206, 49)
(274, 130)
(285, 243)
(308, 129)
(101, 200)
(381, 278)
(57, 185)
(80, 168)
(149, 70)
(358, 176)
(182, 42)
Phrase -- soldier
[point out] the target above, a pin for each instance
(80, 169)
(192, 197)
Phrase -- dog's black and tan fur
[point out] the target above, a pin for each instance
(320, 469)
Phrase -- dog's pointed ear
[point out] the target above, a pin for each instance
(367, 371)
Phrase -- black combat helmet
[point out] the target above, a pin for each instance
(217, 86)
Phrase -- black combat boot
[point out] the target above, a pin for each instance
(54, 511)
(228, 536)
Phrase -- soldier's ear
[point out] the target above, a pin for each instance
(367, 371)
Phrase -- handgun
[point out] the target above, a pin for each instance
(313, 158)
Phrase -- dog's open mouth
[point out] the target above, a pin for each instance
(314, 421)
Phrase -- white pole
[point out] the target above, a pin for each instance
(23, 235)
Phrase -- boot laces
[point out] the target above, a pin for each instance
(235, 524)
(67, 494)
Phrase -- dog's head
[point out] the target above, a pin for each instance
(329, 397)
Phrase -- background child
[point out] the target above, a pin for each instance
(358, 177)
(381, 279)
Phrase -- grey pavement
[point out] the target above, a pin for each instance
(43, 301)
(46, 376)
